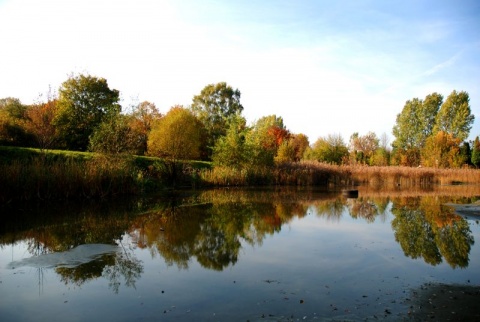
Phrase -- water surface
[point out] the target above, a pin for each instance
(242, 255)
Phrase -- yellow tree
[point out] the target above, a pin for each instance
(176, 136)
(442, 151)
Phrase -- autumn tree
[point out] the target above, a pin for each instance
(267, 135)
(455, 116)
(300, 144)
(286, 152)
(292, 149)
(141, 121)
(176, 136)
(363, 147)
(442, 151)
(40, 121)
(215, 104)
(84, 101)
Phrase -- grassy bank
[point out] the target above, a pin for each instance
(30, 174)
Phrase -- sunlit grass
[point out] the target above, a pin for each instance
(28, 174)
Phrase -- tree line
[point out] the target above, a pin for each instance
(85, 115)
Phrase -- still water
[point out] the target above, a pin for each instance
(244, 255)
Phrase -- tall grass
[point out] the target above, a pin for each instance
(40, 178)
(299, 173)
(310, 173)
(407, 176)
(27, 174)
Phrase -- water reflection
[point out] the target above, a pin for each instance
(426, 229)
(213, 226)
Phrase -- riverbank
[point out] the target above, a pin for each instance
(30, 174)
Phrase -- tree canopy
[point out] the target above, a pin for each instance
(455, 116)
(176, 136)
(232, 149)
(83, 103)
(331, 149)
(215, 104)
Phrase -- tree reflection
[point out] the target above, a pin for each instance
(362, 208)
(213, 226)
(424, 228)
(415, 235)
(114, 267)
(61, 229)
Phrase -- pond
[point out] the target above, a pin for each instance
(244, 255)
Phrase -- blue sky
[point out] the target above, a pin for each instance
(325, 66)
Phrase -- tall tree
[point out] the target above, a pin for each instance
(215, 104)
(83, 103)
(413, 126)
(428, 114)
(455, 116)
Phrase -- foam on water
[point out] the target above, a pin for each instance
(72, 258)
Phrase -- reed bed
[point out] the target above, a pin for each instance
(408, 176)
(286, 174)
(66, 179)
(310, 173)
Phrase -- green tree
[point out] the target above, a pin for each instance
(455, 116)
(476, 152)
(286, 152)
(13, 107)
(84, 101)
(12, 123)
(331, 149)
(232, 150)
(113, 136)
(466, 153)
(413, 126)
(215, 104)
